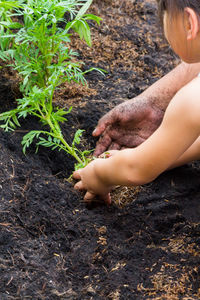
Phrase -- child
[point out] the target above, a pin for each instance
(177, 140)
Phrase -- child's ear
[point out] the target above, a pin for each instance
(193, 23)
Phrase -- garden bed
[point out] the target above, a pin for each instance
(53, 246)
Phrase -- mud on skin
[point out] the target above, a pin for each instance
(124, 133)
(54, 247)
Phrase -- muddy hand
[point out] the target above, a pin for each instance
(127, 125)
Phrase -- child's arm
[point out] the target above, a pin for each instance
(131, 122)
(178, 131)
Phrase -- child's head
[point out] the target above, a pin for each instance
(174, 6)
(181, 23)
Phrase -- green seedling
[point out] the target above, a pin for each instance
(6, 15)
(37, 45)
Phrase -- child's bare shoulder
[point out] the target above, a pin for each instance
(186, 103)
(189, 99)
(192, 89)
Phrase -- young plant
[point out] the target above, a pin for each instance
(6, 18)
(40, 52)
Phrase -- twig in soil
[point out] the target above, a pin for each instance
(13, 261)
(26, 186)
(9, 281)
(58, 174)
(5, 224)
(105, 268)
(13, 170)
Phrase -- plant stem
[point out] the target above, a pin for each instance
(61, 138)
(70, 149)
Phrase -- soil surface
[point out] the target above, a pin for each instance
(53, 246)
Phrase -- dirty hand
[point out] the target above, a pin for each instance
(127, 125)
(94, 186)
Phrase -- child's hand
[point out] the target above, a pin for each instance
(89, 181)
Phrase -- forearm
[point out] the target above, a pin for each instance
(162, 149)
(162, 91)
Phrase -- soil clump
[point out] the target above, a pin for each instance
(52, 245)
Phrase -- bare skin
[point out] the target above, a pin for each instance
(165, 149)
(132, 122)
(176, 141)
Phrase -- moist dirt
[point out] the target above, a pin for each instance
(146, 245)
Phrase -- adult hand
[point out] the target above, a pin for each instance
(127, 125)
(132, 122)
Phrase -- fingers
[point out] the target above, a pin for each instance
(77, 174)
(102, 145)
(79, 186)
(114, 146)
(101, 149)
(104, 122)
(89, 197)
(99, 130)
(107, 199)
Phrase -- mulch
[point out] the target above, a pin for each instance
(54, 246)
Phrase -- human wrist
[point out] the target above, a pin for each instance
(107, 170)
(103, 171)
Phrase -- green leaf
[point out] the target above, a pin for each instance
(77, 137)
(83, 29)
(83, 9)
(9, 4)
(28, 139)
(93, 17)
(16, 120)
(11, 25)
(36, 48)
(64, 38)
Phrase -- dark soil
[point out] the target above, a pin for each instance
(52, 246)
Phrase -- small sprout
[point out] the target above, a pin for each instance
(38, 48)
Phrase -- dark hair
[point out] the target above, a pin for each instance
(174, 6)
